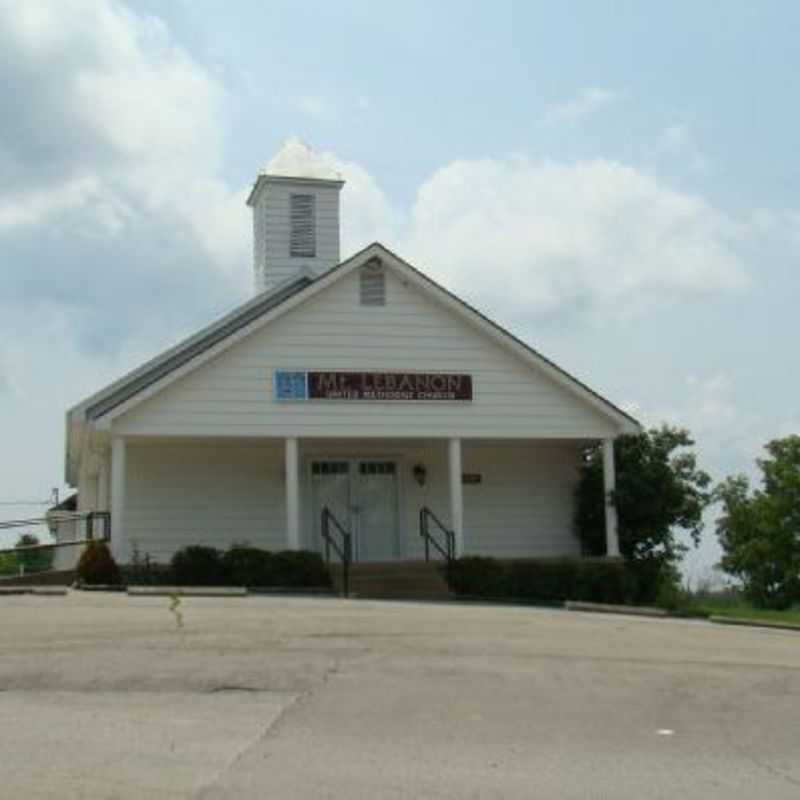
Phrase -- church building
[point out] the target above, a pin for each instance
(361, 386)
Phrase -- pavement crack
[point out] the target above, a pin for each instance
(269, 731)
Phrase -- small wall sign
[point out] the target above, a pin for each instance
(408, 386)
(471, 477)
(291, 386)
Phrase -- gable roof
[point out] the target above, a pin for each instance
(189, 354)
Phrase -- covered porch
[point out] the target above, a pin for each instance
(507, 498)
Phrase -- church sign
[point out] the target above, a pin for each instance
(426, 386)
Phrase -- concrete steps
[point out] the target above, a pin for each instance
(398, 580)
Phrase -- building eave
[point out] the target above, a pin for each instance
(264, 179)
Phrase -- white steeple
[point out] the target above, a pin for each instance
(295, 202)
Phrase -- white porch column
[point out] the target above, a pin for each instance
(119, 541)
(292, 495)
(103, 485)
(456, 494)
(609, 485)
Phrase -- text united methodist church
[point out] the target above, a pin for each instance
(359, 386)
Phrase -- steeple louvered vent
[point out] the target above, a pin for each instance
(302, 239)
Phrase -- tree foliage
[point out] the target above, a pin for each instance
(659, 490)
(33, 560)
(759, 531)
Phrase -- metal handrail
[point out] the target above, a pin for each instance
(343, 550)
(448, 552)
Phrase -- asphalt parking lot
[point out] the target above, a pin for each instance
(106, 696)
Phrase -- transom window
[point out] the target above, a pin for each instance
(377, 467)
(330, 468)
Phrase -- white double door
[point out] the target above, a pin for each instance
(363, 495)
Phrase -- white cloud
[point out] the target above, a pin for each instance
(112, 114)
(587, 102)
(298, 159)
(33, 207)
(531, 236)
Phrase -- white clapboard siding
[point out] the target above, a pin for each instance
(201, 493)
(525, 504)
(196, 492)
(232, 394)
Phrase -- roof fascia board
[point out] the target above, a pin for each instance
(264, 179)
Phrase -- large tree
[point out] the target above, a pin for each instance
(759, 531)
(659, 491)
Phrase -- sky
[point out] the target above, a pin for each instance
(615, 182)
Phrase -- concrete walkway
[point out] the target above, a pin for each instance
(105, 696)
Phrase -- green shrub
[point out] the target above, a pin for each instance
(477, 575)
(298, 568)
(33, 560)
(197, 565)
(9, 564)
(243, 565)
(250, 566)
(544, 580)
(97, 566)
(654, 578)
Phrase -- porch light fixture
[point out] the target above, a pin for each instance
(420, 474)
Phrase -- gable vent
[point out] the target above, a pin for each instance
(372, 284)
(302, 240)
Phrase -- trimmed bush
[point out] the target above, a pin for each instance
(477, 575)
(197, 565)
(544, 580)
(297, 568)
(97, 566)
(250, 566)
(243, 565)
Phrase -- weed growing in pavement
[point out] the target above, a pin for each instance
(175, 609)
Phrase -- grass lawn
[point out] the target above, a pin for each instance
(791, 616)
